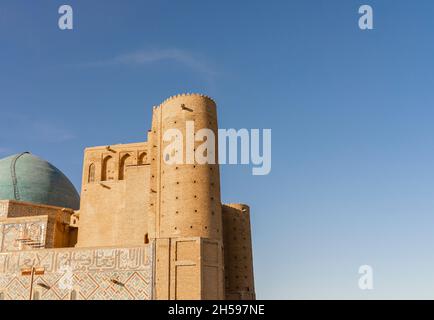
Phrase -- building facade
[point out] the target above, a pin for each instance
(143, 228)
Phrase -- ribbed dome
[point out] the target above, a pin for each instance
(25, 177)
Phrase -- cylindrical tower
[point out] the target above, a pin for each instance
(185, 198)
(238, 257)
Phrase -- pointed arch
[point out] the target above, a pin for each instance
(143, 158)
(91, 173)
(125, 161)
(108, 169)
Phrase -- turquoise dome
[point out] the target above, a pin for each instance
(25, 177)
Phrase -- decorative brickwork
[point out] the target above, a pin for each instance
(21, 234)
(134, 205)
(97, 274)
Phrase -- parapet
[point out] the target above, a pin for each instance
(187, 95)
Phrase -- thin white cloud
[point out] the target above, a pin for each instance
(144, 57)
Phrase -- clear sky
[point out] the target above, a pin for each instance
(351, 114)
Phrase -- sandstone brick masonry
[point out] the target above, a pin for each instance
(97, 274)
(26, 226)
(190, 245)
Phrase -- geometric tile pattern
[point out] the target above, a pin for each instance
(118, 273)
(33, 230)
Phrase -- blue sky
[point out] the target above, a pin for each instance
(351, 111)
